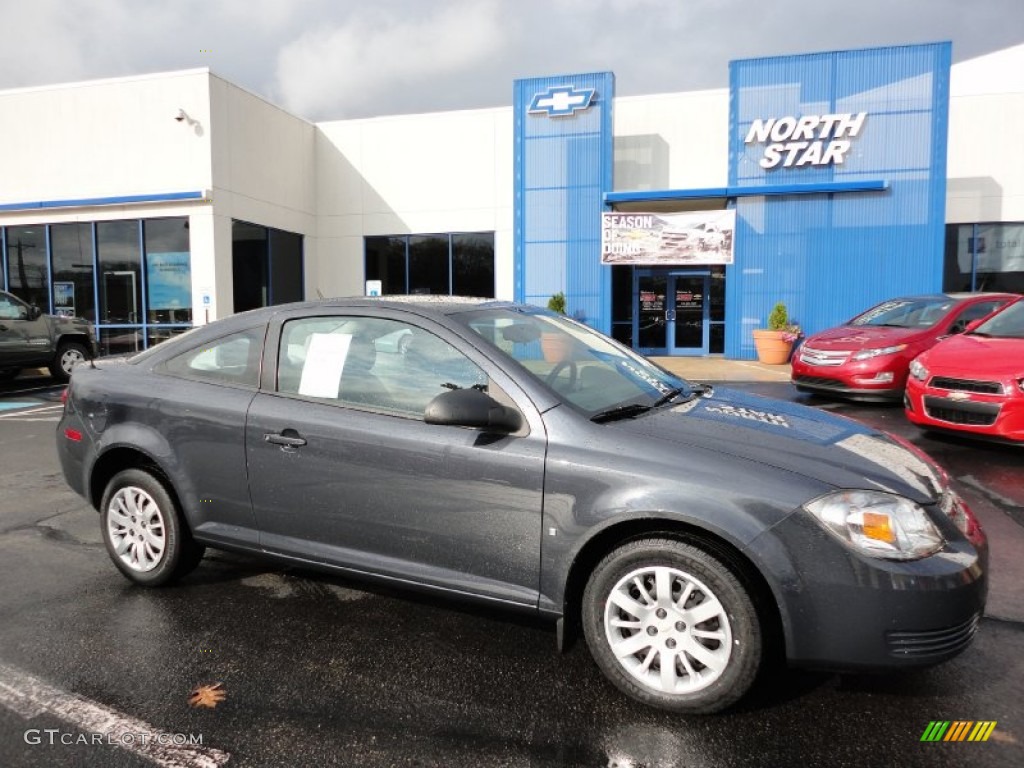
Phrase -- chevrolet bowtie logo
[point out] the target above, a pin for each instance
(561, 100)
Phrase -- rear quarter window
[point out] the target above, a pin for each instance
(232, 360)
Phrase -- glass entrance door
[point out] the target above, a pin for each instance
(671, 313)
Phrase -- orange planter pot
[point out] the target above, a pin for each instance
(555, 347)
(772, 347)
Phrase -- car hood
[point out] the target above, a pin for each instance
(853, 337)
(976, 357)
(827, 448)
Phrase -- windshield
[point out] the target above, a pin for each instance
(906, 313)
(583, 366)
(1008, 324)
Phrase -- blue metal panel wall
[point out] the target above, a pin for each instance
(563, 167)
(830, 256)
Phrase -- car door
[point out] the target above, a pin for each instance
(23, 339)
(344, 470)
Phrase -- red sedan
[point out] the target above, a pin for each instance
(867, 358)
(973, 383)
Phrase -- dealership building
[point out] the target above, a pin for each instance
(827, 181)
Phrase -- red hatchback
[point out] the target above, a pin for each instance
(975, 382)
(867, 358)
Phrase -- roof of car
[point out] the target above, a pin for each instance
(428, 303)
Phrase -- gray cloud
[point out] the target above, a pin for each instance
(326, 59)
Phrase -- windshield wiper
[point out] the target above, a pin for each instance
(668, 397)
(630, 411)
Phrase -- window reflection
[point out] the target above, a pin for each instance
(71, 252)
(461, 264)
(27, 275)
(168, 271)
(120, 274)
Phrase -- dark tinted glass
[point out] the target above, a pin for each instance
(71, 248)
(120, 276)
(26, 265)
(285, 267)
(250, 273)
(428, 264)
(385, 261)
(473, 265)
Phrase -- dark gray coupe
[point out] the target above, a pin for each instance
(505, 454)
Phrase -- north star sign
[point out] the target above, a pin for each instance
(561, 100)
(811, 140)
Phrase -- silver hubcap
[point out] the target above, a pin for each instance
(70, 359)
(135, 525)
(668, 630)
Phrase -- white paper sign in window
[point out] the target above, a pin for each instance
(325, 359)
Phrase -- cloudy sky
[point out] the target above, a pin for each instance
(328, 59)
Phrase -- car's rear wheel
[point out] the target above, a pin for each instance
(69, 354)
(144, 531)
(672, 626)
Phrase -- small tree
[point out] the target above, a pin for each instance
(778, 319)
(557, 303)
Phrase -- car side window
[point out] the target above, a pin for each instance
(233, 359)
(371, 362)
(12, 310)
(973, 312)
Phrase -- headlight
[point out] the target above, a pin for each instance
(878, 524)
(867, 354)
(918, 371)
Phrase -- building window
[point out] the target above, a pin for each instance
(266, 266)
(131, 278)
(27, 274)
(460, 264)
(71, 254)
(984, 257)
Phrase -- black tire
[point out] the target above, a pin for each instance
(135, 504)
(69, 353)
(695, 688)
(9, 374)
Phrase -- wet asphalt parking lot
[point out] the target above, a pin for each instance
(320, 671)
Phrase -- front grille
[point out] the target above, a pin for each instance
(971, 414)
(932, 643)
(822, 357)
(818, 381)
(967, 385)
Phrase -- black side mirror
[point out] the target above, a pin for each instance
(34, 312)
(471, 408)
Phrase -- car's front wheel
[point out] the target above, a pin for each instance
(69, 354)
(672, 626)
(144, 531)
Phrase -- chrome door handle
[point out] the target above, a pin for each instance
(289, 441)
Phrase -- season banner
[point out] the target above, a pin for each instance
(696, 237)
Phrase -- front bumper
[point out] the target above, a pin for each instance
(877, 379)
(846, 611)
(992, 416)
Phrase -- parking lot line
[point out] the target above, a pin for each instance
(29, 696)
(30, 410)
(11, 405)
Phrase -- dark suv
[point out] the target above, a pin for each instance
(30, 339)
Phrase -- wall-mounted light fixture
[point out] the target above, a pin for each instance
(185, 117)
